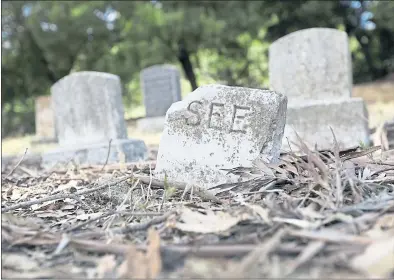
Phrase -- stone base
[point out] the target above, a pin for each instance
(42, 141)
(151, 124)
(122, 150)
(347, 117)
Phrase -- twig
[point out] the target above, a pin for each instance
(332, 236)
(129, 228)
(180, 186)
(260, 252)
(137, 214)
(144, 226)
(62, 196)
(360, 154)
(380, 171)
(109, 149)
(202, 251)
(16, 166)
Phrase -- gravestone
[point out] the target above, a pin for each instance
(220, 127)
(88, 114)
(161, 87)
(45, 122)
(313, 68)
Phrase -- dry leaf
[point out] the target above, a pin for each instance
(153, 254)
(44, 204)
(138, 265)
(84, 217)
(383, 228)
(72, 184)
(16, 193)
(378, 259)
(28, 222)
(51, 214)
(296, 222)
(18, 262)
(210, 222)
(262, 166)
(37, 274)
(134, 265)
(106, 266)
(262, 212)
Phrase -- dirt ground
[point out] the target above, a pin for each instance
(321, 214)
(327, 214)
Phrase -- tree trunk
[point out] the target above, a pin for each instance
(184, 59)
(365, 47)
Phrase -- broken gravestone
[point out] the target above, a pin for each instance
(313, 68)
(220, 127)
(161, 86)
(88, 114)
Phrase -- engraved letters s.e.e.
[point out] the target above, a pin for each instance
(216, 116)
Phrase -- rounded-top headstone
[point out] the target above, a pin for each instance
(88, 108)
(161, 87)
(311, 64)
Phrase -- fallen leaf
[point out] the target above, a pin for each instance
(44, 204)
(138, 265)
(262, 212)
(153, 254)
(18, 262)
(377, 261)
(210, 222)
(383, 228)
(296, 222)
(262, 166)
(52, 214)
(16, 194)
(68, 207)
(134, 265)
(69, 185)
(84, 217)
(26, 222)
(37, 274)
(105, 266)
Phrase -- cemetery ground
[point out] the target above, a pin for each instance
(319, 214)
(328, 213)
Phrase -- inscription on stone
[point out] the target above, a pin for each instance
(161, 87)
(219, 127)
(216, 116)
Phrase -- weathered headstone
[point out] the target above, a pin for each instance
(161, 87)
(45, 120)
(220, 127)
(89, 113)
(313, 68)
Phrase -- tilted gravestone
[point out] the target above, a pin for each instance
(161, 87)
(220, 127)
(45, 122)
(89, 113)
(313, 68)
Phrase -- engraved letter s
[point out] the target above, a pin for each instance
(198, 121)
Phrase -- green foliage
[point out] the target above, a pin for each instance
(226, 41)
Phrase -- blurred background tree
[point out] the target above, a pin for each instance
(211, 41)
